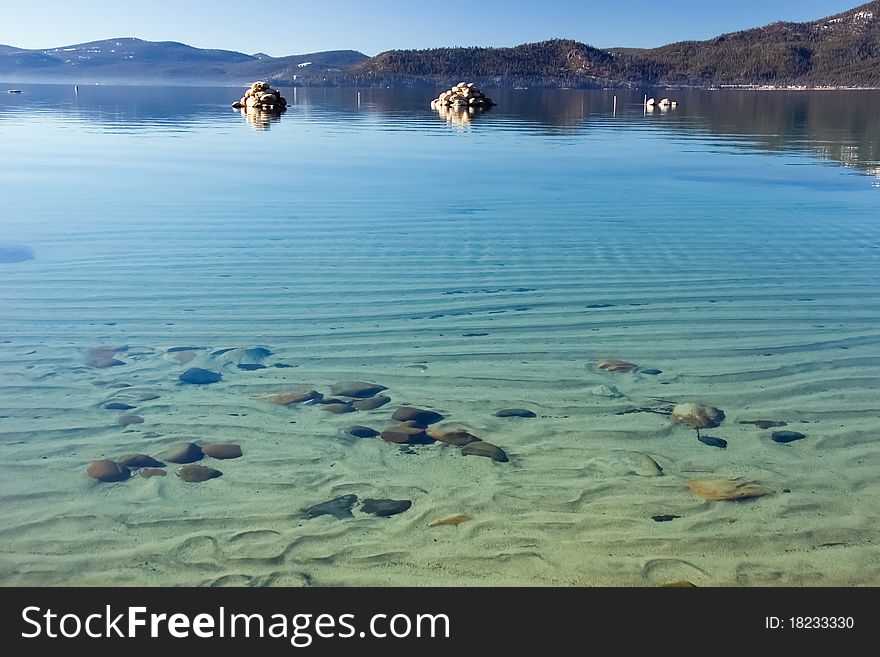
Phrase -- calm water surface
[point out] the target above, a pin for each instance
(469, 264)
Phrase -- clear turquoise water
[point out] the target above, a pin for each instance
(732, 243)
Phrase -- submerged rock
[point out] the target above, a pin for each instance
(726, 489)
(620, 462)
(139, 461)
(197, 473)
(251, 367)
(697, 416)
(515, 412)
(615, 365)
(360, 389)
(652, 372)
(482, 448)
(146, 473)
(148, 396)
(420, 415)
(295, 397)
(451, 521)
(183, 453)
(786, 436)
(183, 357)
(385, 507)
(127, 419)
(119, 406)
(222, 451)
(361, 432)
(371, 403)
(457, 437)
(338, 507)
(199, 376)
(405, 433)
(611, 392)
(338, 408)
(108, 471)
(666, 517)
(102, 357)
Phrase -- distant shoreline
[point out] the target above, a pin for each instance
(8, 85)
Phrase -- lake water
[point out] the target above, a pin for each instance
(468, 264)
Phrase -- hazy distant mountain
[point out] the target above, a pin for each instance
(841, 50)
(134, 61)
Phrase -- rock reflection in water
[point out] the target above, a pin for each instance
(260, 119)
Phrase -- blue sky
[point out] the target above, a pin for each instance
(280, 27)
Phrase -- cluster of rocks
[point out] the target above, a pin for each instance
(185, 454)
(411, 424)
(463, 96)
(261, 96)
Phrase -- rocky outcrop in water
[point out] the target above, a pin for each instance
(261, 96)
(463, 96)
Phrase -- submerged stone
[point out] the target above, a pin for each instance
(250, 367)
(183, 453)
(146, 473)
(338, 507)
(127, 419)
(611, 392)
(199, 376)
(405, 433)
(108, 471)
(482, 448)
(697, 416)
(183, 357)
(119, 406)
(338, 408)
(361, 432)
(419, 415)
(371, 403)
(652, 372)
(360, 389)
(457, 437)
(102, 357)
(295, 397)
(515, 412)
(197, 473)
(620, 462)
(666, 517)
(787, 436)
(139, 461)
(385, 507)
(615, 365)
(222, 451)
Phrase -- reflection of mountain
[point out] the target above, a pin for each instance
(840, 126)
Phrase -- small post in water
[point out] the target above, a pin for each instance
(614, 111)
